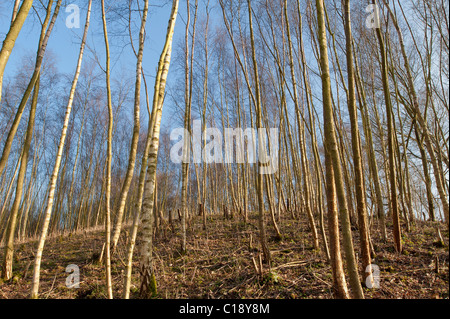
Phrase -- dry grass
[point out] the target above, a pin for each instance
(219, 264)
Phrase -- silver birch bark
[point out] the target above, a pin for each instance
(107, 244)
(147, 276)
(54, 176)
(333, 157)
(17, 21)
(135, 138)
(37, 67)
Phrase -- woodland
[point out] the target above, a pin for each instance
(216, 149)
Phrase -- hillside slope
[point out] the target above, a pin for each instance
(219, 264)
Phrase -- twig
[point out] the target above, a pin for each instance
(326, 283)
(295, 264)
(260, 265)
(255, 266)
(193, 274)
(51, 288)
(242, 283)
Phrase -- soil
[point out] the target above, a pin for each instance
(218, 263)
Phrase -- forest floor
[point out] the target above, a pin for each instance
(218, 264)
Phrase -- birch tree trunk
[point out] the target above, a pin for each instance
(356, 146)
(107, 244)
(259, 123)
(392, 168)
(138, 204)
(17, 21)
(303, 158)
(332, 156)
(54, 176)
(187, 119)
(135, 138)
(148, 281)
(371, 153)
(421, 120)
(32, 82)
(9, 247)
(15, 9)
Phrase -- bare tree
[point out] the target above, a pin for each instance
(54, 176)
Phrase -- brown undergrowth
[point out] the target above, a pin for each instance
(222, 262)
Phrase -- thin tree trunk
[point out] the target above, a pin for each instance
(187, 120)
(392, 169)
(148, 287)
(54, 176)
(135, 137)
(300, 124)
(45, 35)
(107, 244)
(371, 153)
(356, 146)
(332, 155)
(258, 172)
(17, 21)
(421, 120)
(9, 247)
(15, 10)
(138, 205)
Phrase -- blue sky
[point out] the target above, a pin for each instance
(64, 43)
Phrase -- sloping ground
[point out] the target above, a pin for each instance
(219, 264)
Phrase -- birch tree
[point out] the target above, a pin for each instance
(390, 132)
(23, 102)
(107, 244)
(17, 21)
(135, 137)
(356, 144)
(148, 286)
(333, 158)
(54, 176)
